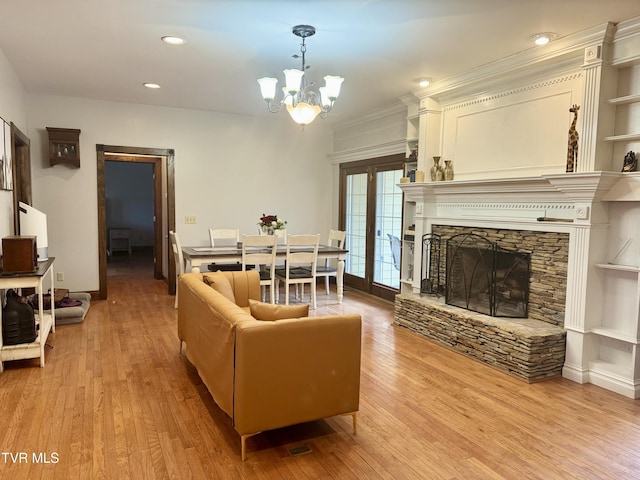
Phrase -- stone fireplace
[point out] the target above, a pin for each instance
(559, 220)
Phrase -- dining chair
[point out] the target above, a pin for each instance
(260, 251)
(177, 258)
(336, 239)
(224, 237)
(394, 243)
(300, 264)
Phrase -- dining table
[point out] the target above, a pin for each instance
(197, 256)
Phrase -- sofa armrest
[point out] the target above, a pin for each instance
(296, 370)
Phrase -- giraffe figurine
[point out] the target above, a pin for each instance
(572, 154)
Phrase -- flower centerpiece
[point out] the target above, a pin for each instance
(270, 223)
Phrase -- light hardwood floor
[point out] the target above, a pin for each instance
(117, 400)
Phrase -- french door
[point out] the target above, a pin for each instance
(371, 214)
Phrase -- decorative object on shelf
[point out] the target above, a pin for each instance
(64, 146)
(413, 156)
(630, 162)
(572, 153)
(302, 103)
(448, 170)
(404, 179)
(270, 223)
(437, 174)
(420, 176)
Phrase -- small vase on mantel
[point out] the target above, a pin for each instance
(448, 170)
(437, 174)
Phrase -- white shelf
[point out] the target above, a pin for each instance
(630, 137)
(618, 335)
(622, 268)
(621, 371)
(625, 100)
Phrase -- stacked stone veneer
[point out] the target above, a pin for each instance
(529, 349)
(548, 268)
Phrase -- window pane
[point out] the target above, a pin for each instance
(356, 224)
(386, 269)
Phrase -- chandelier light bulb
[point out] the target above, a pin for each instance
(301, 101)
(268, 87)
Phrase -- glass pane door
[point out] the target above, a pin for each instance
(356, 224)
(388, 228)
(371, 214)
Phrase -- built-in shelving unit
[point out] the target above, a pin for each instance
(615, 362)
(627, 114)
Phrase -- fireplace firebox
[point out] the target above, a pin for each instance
(486, 278)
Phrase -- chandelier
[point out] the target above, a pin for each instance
(302, 103)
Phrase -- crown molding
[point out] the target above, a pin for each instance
(559, 56)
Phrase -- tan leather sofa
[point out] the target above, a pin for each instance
(268, 374)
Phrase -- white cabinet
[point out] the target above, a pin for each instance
(46, 320)
(120, 240)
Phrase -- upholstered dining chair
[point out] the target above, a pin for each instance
(336, 238)
(261, 250)
(300, 264)
(177, 258)
(224, 237)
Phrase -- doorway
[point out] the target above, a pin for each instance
(371, 214)
(163, 206)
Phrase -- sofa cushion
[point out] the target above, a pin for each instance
(219, 282)
(269, 311)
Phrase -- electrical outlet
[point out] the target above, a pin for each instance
(190, 219)
(60, 276)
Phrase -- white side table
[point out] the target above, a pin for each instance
(47, 320)
(120, 240)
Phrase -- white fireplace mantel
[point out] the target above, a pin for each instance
(571, 187)
(575, 203)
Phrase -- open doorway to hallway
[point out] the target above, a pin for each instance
(129, 195)
(163, 210)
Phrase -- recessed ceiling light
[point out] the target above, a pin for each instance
(424, 82)
(151, 85)
(173, 40)
(543, 38)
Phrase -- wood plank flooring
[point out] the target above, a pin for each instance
(116, 400)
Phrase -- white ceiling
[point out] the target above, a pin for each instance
(106, 49)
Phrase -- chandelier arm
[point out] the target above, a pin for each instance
(275, 107)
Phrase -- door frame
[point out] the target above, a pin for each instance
(371, 167)
(155, 156)
(21, 158)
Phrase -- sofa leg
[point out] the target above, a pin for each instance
(243, 444)
(354, 417)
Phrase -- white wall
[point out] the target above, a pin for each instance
(13, 108)
(229, 171)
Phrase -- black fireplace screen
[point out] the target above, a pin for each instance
(485, 278)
